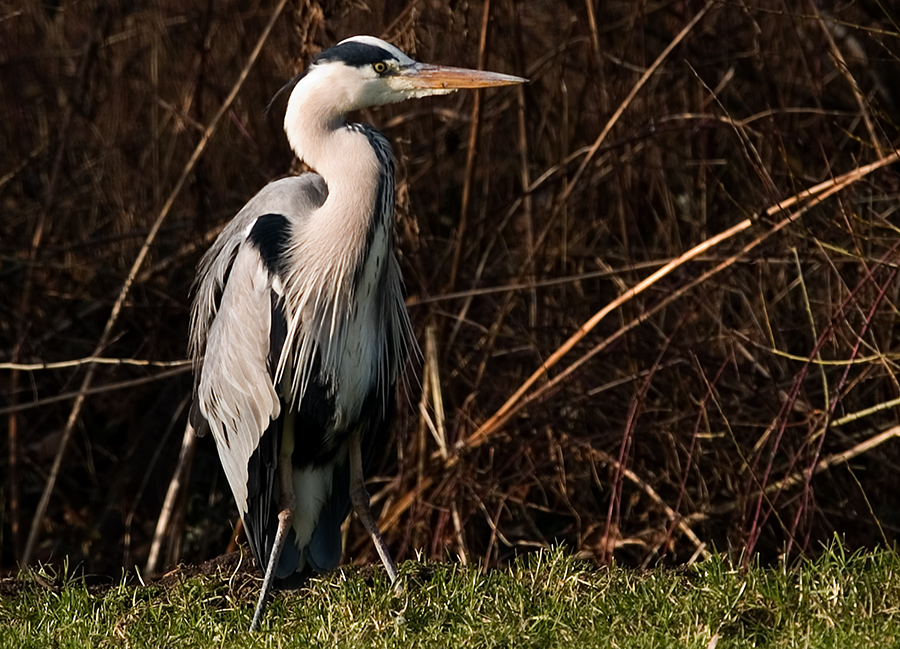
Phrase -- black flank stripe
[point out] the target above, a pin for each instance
(384, 194)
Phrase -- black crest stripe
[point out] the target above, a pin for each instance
(355, 54)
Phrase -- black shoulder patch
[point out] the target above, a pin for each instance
(270, 236)
(355, 54)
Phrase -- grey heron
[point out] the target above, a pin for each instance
(298, 327)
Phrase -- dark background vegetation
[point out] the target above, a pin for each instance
(673, 427)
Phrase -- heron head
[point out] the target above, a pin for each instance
(365, 71)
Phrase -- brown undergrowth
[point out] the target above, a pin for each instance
(684, 230)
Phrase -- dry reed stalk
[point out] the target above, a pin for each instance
(86, 62)
(478, 437)
(824, 464)
(815, 195)
(631, 95)
(126, 287)
(177, 484)
(674, 517)
(841, 65)
(470, 152)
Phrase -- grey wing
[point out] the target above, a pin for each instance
(235, 391)
(237, 333)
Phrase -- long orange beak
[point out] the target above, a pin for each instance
(441, 79)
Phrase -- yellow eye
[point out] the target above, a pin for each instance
(379, 67)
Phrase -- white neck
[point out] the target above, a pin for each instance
(316, 111)
(332, 239)
(316, 130)
(329, 248)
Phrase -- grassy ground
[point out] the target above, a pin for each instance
(547, 600)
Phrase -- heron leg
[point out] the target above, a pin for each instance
(285, 517)
(284, 523)
(360, 499)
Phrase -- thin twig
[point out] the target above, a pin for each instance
(118, 385)
(91, 360)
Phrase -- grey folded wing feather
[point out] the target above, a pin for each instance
(237, 331)
(236, 393)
